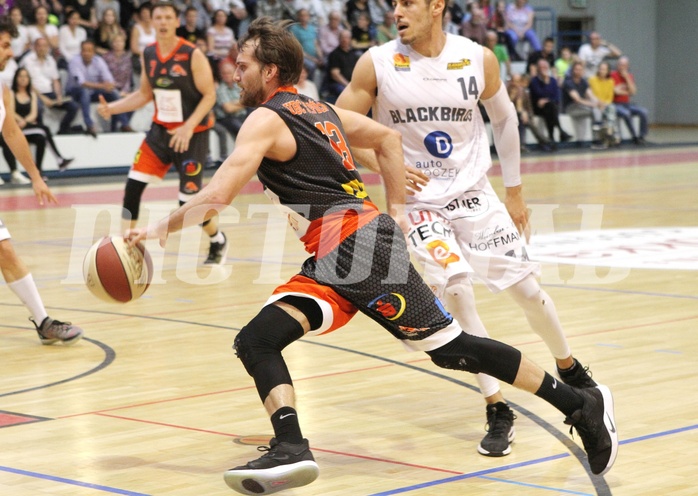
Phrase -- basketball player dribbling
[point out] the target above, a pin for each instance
(299, 149)
(14, 271)
(178, 77)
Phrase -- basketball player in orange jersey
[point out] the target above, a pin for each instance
(178, 77)
(299, 150)
(15, 273)
(427, 85)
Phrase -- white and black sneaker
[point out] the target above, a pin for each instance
(500, 431)
(596, 425)
(283, 466)
(217, 252)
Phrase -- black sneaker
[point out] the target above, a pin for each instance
(51, 331)
(217, 252)
(500, 431)
(578, 376)
(283, 466)
(596, 425)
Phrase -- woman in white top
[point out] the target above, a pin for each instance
(42, 29)
(20, 44)
(143, 32)
(71, 35)
(220, 36)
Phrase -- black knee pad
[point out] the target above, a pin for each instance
(475, 355)
(132, 198)
(258, 346)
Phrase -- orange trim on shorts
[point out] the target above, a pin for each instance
(147, 162)
(342, 309)
(326, 233)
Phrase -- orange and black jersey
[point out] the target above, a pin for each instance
(320, 184)
(172, 81)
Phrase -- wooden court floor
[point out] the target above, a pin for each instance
(154, 402)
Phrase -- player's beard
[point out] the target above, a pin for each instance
(253, 94)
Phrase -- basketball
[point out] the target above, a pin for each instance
(116, 272)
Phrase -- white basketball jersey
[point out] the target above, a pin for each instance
(432, 101)
(3, 112)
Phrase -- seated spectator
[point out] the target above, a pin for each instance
(307, 34)
(190, 30)
(563, 63)
(70, 36)
(26, 111)
(43, 71)
(220, 36)
(519, 17)
(340, 65)
(361, 36)
(578, 101)
(547, 53)
(213, 60)
(88, 80)
(545, 99)
(230, 113)
(306, 87)
(328, 35)
(142, 35)
(500, 51)
(387, 31)
(101, 6)
(88, 14)
(602, 87)
(475, 28)
(624, 89)
(21, 44)
(594, 52)
(42, 29)
(456, 11)
(518, 94)
(119, 63)
(107, 30)
(450, 27)
(354, 8)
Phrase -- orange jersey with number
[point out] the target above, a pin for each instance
(319, 188)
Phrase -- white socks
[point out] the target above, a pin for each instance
(25, 289)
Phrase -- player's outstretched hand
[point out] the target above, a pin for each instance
(138, 234)
(42, 192)
(103, 108)
(415, 179)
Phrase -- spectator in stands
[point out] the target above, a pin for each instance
(518, 93)
(230, 113)
(119, 63)
(306, 87)
(377, 9)
(21, 44)
(236, 12)
(276, 9)
(547, 53)
(142, 35)
(328, 7)
(519, 17)
(624, 89)
(354, 8)
(328, 35)
(563, 63)
(387, 30)
(475, 28)
(101, 6)
(70, 36)
(26, 111)
(602, 86)
(497, 22)
(220, 36)
(203, 19)
(316, 12)
(87, 11)
(43, 70)
(42, 29)
(53, 7)
(593, 53)
(107, 30)
(450, 27)
(213, 59)
(545, 98)
(361, 35)
(190, 30)
(340, 65)
(500, 51)
(88, 78)
(307, 34)
(456, 10)
(579, 102)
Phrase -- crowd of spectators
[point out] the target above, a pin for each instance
(76, 50)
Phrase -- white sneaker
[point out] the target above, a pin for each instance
(17, 178)
(1, 182)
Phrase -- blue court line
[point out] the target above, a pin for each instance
(535, 486)
(52, 478)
